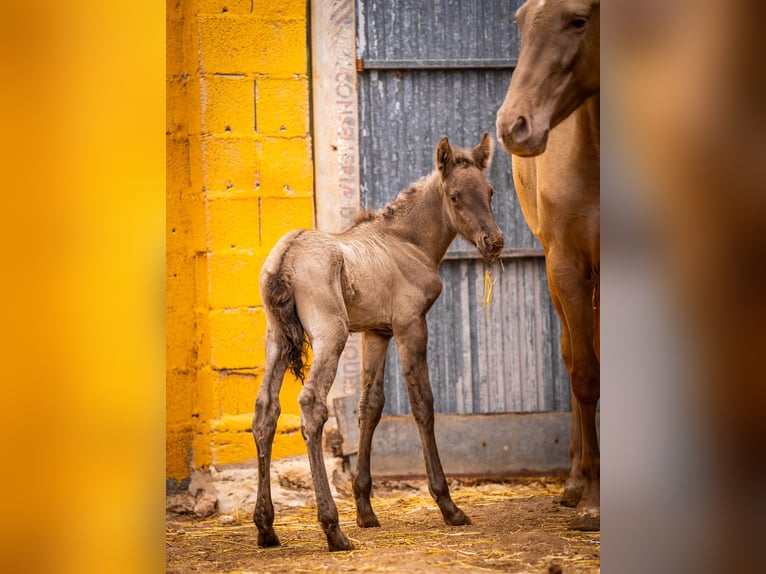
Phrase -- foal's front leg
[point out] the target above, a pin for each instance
(412, 340)
(371, 401)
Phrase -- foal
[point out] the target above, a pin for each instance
(378, 277)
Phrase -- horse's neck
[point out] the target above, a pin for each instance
(425, 223)
(588, 121)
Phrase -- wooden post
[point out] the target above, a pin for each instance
(336, 144)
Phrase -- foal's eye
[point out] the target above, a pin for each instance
(455, 199)
(579, 22)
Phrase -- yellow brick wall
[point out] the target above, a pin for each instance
(239, 175)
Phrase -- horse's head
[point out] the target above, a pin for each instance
(468, 194)
(558, 70)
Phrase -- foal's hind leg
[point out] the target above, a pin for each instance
(327, 345)
(374, 347)
(264, 426)
(412, 340)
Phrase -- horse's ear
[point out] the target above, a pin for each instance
(482, 153)
(444, 158)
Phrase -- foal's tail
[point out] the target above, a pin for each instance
(279, 296)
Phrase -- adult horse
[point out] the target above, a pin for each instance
(378, 277)
(550, 122)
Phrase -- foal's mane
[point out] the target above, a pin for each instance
(462, 158)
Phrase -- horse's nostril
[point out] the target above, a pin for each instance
(520, 130)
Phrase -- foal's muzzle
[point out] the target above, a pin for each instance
(490, 247)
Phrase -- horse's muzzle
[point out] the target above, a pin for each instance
(518, 137)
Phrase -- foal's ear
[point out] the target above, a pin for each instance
(444, 158)
(482, 153)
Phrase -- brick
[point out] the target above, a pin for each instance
(177, 166)
(283, 107)
(238, 392)
(286, 167)
(233, 224)
(289, 10)
(251, 45)
(178, 448)
(180, 336)
(228, 105)
(234, 279)
(176, 105)
(202, 447)
(237, 338)
(181, 387)
(224, 6)
(232, 438)
(174, 46)
(206, 404)
(229, 163)
(280, 215)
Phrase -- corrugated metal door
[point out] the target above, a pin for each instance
(427, 69)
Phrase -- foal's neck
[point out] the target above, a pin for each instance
(426, 222)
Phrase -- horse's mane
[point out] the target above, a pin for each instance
(462, 157)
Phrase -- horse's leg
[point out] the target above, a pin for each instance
(371, 401)
(328, 338)
(576, 298)
(412, 340)
(264, 426)
(575, 482)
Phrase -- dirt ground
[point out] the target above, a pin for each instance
(518, 526)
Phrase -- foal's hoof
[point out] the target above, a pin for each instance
(457, 519)
(268, 538)
(337, 541)
(367, 520)
(587, 520)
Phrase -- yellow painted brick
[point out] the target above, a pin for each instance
(232, 447)
(207, 405)
(180, 337)
(177, 166)
(233, 442)
(280, 215)
(286, 10)
(233, 44)
(238, 392)
(176, 105)
(173, 8)
(233, 224)
(288, 444)
(237, 338)
(224, 6)
(228, 105)
(180, 388)
(229, 163)
(286, 168)
(178, 448)
(288, 396)
(234, 279)
(283, 107)
(202, 447)
(174, 46)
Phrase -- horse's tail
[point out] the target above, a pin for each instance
(279, 296)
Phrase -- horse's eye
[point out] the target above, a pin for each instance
(579, 22)
(455, 199)
(491, 192)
